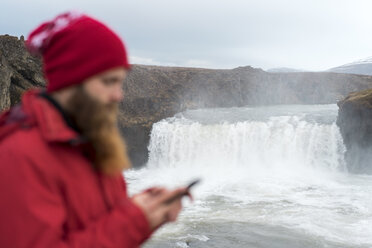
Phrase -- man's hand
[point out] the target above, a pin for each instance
(153, 204)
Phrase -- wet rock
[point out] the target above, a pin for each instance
(355, 122)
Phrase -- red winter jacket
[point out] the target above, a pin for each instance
(49, 194)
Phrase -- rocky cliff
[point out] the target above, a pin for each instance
(18, 71)
(153, 93)
(355, 122)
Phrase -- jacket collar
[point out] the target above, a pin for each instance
(48, 118)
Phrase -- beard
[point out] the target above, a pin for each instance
(97, 123)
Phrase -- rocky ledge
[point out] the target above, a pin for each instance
(153, 93)
(355, 122)
(19, 71)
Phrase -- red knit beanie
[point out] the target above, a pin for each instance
(75, 47)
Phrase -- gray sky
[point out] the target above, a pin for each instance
(303, 34)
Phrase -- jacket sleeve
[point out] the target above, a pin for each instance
(33, 214)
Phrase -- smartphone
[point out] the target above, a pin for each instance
(182, 194)
(192, 184)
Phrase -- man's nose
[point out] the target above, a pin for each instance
(117, 95)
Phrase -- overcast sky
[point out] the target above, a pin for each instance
(303, 34)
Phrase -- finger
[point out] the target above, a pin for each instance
(174, 210)
(171, 196)
(155, 190)
(165, 212)
(147, 194)
(189, 195)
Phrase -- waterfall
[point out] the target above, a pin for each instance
(284, 142)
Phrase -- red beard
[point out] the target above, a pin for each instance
(97, 122)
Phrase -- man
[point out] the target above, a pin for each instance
(61, 155)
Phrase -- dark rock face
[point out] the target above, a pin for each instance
(19, 71)
(355, 122)
(153, 93)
